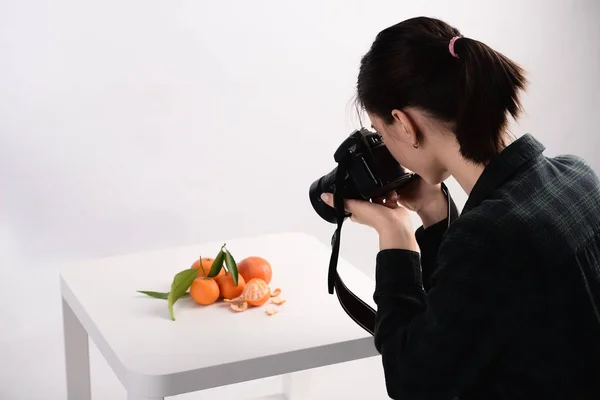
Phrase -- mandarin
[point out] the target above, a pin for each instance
(255, 268)
(228, 289)
(204, 291)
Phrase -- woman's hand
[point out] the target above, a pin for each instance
(390, 220)
(428, 201)
(389, 216)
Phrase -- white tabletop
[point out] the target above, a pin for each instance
(310, 330)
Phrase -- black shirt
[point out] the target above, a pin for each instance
(505, 302)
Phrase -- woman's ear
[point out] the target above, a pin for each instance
(404, 128)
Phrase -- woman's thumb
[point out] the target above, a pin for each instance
(327, 199)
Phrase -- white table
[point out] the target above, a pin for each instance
(206, 347)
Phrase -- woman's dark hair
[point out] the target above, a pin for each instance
(410, 64)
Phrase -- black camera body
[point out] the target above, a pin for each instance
(371, 172)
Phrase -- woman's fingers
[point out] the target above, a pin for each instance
(328, 199)
(379, 200)
(351, 206)
(370, 213)
(392, 200)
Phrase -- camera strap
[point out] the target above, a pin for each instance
(358, 310)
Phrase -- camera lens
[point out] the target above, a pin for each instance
(322, 185)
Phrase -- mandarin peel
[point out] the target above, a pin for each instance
(271, 310)
(239, 307)
(277, 300)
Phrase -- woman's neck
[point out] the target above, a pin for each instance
(465, 172)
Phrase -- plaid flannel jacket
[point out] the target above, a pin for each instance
(504, 303)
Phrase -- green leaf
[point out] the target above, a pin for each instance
(217, 263)
(181, 283)
(232, 267)
(160, 295)
(156, 295)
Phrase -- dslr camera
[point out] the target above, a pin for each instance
(371, 172)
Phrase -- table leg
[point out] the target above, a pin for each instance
(77, 357)
(296, 386)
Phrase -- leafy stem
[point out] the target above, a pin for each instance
(202, 266)
(159, 295)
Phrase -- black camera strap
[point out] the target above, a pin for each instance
(358, 310)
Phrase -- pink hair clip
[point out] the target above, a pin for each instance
(451, 46)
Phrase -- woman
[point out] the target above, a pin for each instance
(503, 303)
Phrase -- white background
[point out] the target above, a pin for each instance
(132, 125)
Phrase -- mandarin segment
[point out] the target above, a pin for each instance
(256, 293)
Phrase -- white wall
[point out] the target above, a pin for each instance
(130, 125)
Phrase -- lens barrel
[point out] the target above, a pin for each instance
(325, 184)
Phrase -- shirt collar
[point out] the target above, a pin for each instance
(503, 166)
